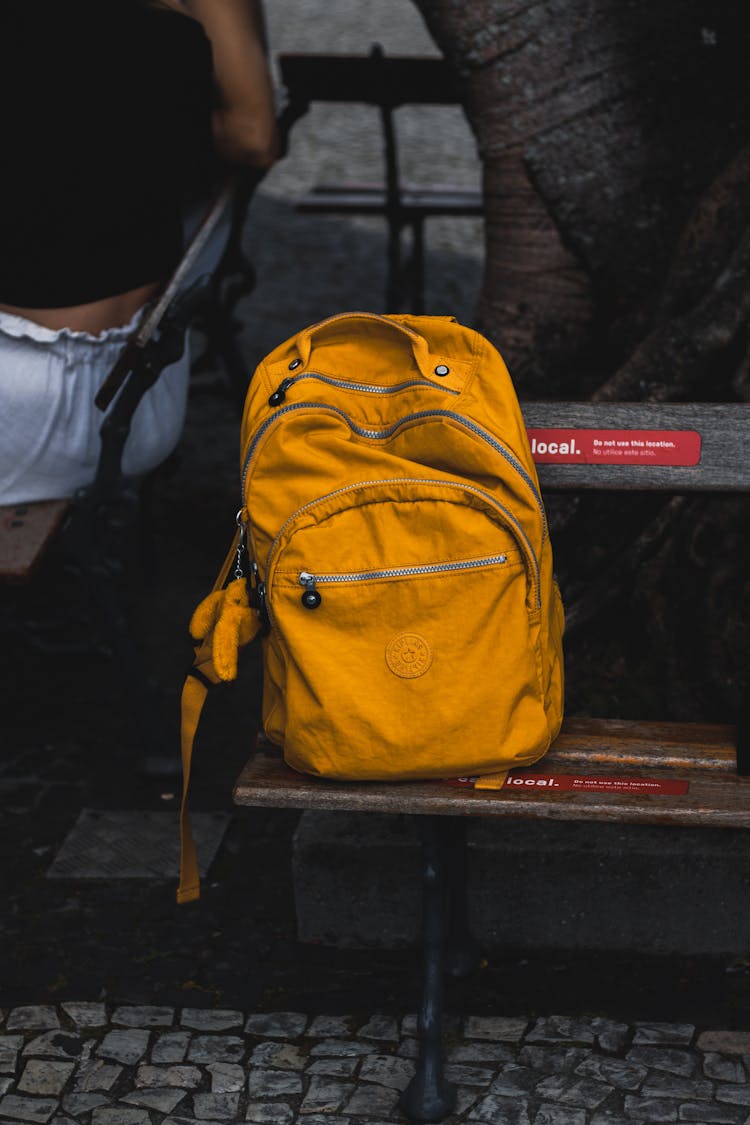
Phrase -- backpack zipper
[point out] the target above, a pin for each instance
(486, 496)
(382, 435)
(279, 394)
(311, 581)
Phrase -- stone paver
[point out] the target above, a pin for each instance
(496, 1029)
(45, 1077)
(188, 1077)
(673, 1060)
(226, 1077)
(276, 1025)
(553, 1060)
(145, 1016)
(55, 1045)
(207, 1019)
(127, 1047)
(379, 1027)
(216, 1048)
(610, 1035)
(330, 1027)
(86, 1015)
(335, 1068)
(372, 1101)
(672, 1033)
(581, 1092)
(216, 1107)
(285, 1056)
(28, 1109)
(10, 1047)
(277, 1113)
(120, 1115)
(342, 1048)
(724, 1069)
(162, 1099)
(97, 1075)
(500, 1111)
(559, 1029)
(273, 1083)
(149, 1065)
(559, 1115)
(618, 1073)
(84, 1103)
(171, 1047)
(725, 1042)
(325, 1095)
(387, 1070)
(33, 1018)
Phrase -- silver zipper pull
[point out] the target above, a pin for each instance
(311, 598)
(241, 545)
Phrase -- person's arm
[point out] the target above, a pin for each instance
(244, 123)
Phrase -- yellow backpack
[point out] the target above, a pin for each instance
(393, 553)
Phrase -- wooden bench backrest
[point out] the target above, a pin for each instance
(707, 443)
(371, 79)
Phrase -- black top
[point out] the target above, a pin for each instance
(106, 133)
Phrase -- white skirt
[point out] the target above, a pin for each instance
(49, 426)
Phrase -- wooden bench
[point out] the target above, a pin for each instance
(607, 769)
(26, 530)
(387, 84)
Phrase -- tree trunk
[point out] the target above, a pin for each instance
(600, 126)
(615, 141)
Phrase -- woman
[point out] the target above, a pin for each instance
(123, 115)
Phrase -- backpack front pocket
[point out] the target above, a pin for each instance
(404, 634)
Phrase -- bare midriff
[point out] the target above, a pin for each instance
(93, 317)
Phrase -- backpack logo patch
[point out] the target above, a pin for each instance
(408, 655)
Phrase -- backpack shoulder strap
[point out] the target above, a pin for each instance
(222, 623)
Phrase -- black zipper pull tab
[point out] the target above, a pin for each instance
(311, 598)
(279, 394)
(258, 597)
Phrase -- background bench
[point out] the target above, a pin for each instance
(608, 770)
(386, 84)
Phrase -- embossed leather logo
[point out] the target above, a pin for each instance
(408, 655)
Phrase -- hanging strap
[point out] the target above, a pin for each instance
(194, 692)
(226, 624)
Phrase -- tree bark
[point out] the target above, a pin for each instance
(600, 126)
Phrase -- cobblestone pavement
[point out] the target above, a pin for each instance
(147, 1065)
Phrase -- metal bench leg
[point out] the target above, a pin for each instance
(463, 953)
(429, 1097)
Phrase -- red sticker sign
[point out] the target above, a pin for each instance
(583, 784)
(614, 447)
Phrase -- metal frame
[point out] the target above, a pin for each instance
(448, 947)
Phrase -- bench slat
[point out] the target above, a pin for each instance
(702, 755)
(372, 79)
(413, 202)
(25, 532)
(724, 430)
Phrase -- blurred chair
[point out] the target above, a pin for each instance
(387, 84)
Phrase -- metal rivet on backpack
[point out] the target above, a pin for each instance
(441, 369)
(294, 364)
